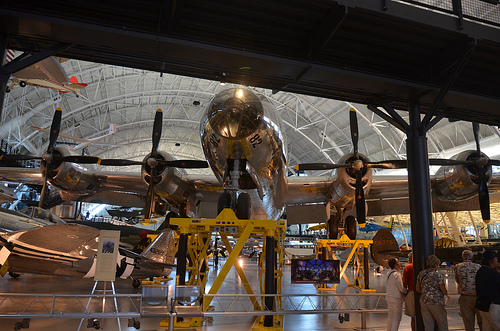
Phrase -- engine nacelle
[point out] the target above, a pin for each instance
(168, 183)
(70, 177)
(345, 184)
(459, 182)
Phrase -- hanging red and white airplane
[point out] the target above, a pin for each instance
(47, 73)
(243, 141)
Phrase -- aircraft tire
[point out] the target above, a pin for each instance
(7, 89)
(333, 227)
(243, 209)
(351, 227)
(22, 84)
(14, 274)
(223, 202)
(136, 283)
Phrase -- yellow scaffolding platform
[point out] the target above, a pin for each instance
(228, 225)
(358, 258)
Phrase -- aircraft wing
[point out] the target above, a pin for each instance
(63, 242)
(388, 195)
(30, 73)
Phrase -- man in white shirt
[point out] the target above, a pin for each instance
(395, 292)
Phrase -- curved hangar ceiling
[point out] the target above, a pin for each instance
(317, 129)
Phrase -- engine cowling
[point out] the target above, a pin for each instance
(456, 183)
(168, 180)
(68, 176)
(344, 186)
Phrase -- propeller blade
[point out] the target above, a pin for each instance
(54, 129)
(119, 162)
(44, 189)
(360, 198)
(475, 128)
(320, 166)
(495, 162)
(80, 159)
(18, 157)
(353, 122)
(449, 162)
(149, 199)
(185, 163)
(157, 132)
(389, 164)
(484, 197)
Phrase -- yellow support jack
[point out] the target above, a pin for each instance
(156, 280)
(258, 324)
(358, 258)
(225, 225)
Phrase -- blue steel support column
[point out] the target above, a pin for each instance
(420, 199)
(270, 287)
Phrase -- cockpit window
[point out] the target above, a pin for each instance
(236, 113)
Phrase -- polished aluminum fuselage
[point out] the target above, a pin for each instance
(264, 152)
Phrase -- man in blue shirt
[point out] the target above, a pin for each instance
(488, 291)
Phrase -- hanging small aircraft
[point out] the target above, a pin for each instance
(47, 73)
(70, 250)
(85, 142)
(244, 145)
(371, 226)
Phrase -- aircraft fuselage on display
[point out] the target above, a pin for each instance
(70, 250)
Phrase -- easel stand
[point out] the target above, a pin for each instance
(104, 291)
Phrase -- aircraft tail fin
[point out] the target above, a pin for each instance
(74, 85)
(384, 247)
(9, 56)
(162, 249)
(112, 128)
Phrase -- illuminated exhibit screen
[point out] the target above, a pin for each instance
(315, 271)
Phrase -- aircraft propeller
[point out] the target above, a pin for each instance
(480, 164)
(153, 162)
(48, 157)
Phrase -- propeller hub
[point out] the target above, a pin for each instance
(357, 165)
(47, 157)
(152, 162)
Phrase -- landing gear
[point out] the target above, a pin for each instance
(224, 201)
(136, 283)
(14, 275)
(22, 84)
(333, 226)
(243, 204)
(351, 227)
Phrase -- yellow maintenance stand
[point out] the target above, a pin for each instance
(194, 238)
(358, 258)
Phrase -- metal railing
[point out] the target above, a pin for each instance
(481, 11)
(73, 306)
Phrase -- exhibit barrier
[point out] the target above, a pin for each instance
(71, 306)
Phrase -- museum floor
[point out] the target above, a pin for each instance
(51, 284)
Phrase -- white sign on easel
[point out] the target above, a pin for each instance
(107, 254)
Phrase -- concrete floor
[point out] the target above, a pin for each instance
(232, 284)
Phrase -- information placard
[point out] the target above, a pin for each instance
(107, 254)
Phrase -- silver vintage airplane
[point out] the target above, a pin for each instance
(244, 144)
(70, 250)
